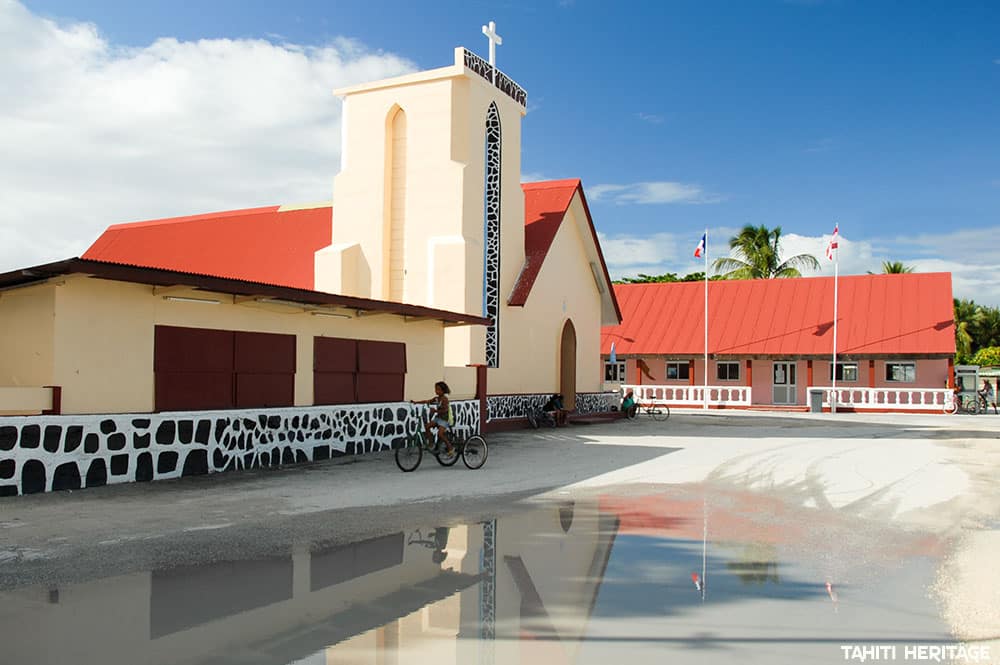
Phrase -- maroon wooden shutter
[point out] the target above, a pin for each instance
(198, 368)
(335, 366)
(265, 370)
(193, 369)
(381, 371)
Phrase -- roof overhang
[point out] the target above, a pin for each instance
(159, 278)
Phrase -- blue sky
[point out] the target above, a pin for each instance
(879, 116)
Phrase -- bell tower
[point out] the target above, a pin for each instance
(427, 206)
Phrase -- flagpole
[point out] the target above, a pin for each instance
(836, 277)
(705, 403)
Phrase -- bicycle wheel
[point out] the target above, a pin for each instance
(951, 407)
(408, 457)
(656, 412)
(972, 407)
(475, 452)
(441, 451)
(532, 419)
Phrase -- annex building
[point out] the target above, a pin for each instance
(771, 341)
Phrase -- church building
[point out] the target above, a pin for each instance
(271, 335)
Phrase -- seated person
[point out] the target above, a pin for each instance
(555, 408)
(628, 404)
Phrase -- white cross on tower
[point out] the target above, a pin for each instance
(495, 40)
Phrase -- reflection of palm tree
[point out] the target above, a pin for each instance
(757, 565)
(758, 256)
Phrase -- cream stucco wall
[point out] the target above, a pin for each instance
(564, 289)
(445, 118)
(27, 327)
(102, 346)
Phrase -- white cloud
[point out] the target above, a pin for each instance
(645, 193)
(975, 268)
(534, 176)
(629, 255)
(652, 118)
(97, 134)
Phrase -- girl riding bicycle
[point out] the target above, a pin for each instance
(443, 417)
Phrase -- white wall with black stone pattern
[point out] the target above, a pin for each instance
(49, 453)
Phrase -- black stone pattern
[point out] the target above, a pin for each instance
(503, 83)
(500, 407)
(48, 453)
(491, 269)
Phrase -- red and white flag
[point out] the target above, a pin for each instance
(833, 242)
(700, 249)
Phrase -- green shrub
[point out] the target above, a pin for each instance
(989, 355)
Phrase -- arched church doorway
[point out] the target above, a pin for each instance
(567, 365)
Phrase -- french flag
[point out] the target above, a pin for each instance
(833, 242)
(700, 249)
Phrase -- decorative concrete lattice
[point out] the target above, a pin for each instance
(597, 402)
(491, 271)
(503, 83)
(46, 453)
(500, 407)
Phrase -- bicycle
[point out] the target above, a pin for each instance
(537, 418)
(471, 448)
(658, 412)
(966, 403)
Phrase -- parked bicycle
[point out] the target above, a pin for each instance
(540, 418)
(658, 412)
(470, 447)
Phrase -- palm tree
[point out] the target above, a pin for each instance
(986, 331)
(894, 268)
(967, 317)
(758, 256)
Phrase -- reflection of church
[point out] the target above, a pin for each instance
(563, 582)
(521, 587)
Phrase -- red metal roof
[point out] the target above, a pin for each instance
(877, 314)
(545, 205)
(275, 246)
(266, 245)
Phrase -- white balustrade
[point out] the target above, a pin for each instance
(908, 399)
(860, 399)
(690, 395)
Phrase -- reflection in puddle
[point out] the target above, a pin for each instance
(669, 575)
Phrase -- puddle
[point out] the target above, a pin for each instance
(661, 577)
